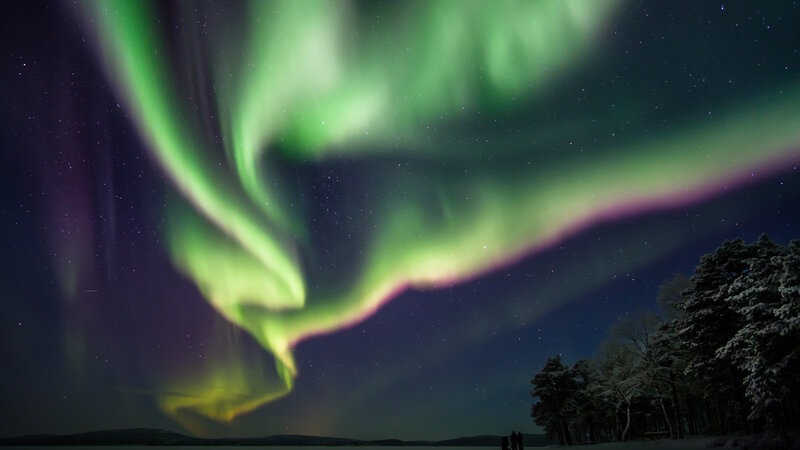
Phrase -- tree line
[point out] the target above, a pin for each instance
(721, 356)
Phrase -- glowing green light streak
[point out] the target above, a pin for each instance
(292, 57)
(135, 56)
(233, 382)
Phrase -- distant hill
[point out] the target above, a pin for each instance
(140, 436)
(148, 436)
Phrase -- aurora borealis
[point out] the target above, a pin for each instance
(357, 218)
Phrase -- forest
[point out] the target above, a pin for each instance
(721, 356)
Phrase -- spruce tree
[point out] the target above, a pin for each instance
(554, 386)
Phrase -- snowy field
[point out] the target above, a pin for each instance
(659, 444)
(632, 445)
(662, 444)
(763, 442)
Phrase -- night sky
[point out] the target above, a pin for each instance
(365, 219)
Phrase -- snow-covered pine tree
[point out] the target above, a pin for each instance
(709, 322)
(765, 347)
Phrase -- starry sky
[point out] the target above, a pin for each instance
(365, 219)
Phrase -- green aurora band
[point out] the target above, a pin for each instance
(306, 82)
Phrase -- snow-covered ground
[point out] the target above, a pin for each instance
(658, 444)
(760, 441)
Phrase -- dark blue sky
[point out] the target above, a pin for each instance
(429, 364)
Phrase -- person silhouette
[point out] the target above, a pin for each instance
(519, 441)
(513, 441)
(504, 443)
